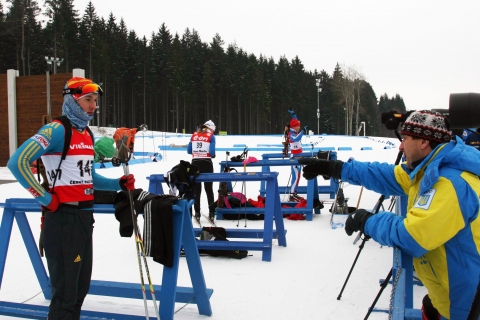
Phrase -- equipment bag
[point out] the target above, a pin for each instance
(181, 178)
(235, 200)
(219, 234)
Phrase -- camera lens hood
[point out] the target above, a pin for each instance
(464, 110)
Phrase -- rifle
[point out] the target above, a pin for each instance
(285, 141)
(222, 188)
(41, 173)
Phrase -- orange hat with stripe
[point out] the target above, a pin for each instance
(81, 87)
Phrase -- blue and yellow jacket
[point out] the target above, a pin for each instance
(38, 145)
(441, 229)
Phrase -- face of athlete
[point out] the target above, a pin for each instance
(297, 128)
(88, 103)
(414, 149)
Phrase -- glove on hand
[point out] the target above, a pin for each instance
(127, 182)
(54, 203)
(356, 221)
(326, 168)
(291, 112)
(305, 129)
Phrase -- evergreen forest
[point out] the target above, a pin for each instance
(175, 82)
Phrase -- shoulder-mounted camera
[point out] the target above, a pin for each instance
(463, 112)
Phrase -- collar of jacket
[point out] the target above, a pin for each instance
(430, 165)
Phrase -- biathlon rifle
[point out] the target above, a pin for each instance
(285, 141)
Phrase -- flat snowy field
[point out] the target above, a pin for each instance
(302, 281)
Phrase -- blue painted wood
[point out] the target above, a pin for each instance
(168, 293)
(413, 314)
(28, 239)
(242, 233)
(5, 232)
(31, 311)
(105, 165)
(403, 297)
(131, 290)
(309, 190)
(273, 210)
(331, 190)
(271, 148)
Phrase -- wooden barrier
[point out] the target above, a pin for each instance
(311, 190)
(168, 293)
(331, 189)
(272, 211)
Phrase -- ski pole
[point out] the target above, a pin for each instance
(124, 156)
(359, 198)
(366, 238)
(140, 248)
(353, 266)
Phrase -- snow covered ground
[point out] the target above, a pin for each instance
(302, 281)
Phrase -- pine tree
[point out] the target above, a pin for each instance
(62, 33)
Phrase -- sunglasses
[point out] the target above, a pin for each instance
(83, 90)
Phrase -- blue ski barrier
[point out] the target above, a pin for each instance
(272, 211)
(168, 293)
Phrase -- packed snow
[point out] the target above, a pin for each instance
(302, 281)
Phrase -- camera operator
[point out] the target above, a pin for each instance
(441, 229)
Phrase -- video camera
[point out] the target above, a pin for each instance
(463, 112)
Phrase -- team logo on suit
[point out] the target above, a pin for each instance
(425, 199)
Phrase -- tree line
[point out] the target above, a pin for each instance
(173, 82)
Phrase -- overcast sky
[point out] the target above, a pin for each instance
(422, 50)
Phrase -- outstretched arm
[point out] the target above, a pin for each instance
(48, 139)
(292, 113)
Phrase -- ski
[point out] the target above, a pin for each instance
(197, 221)
(182, 254)
(209, 220)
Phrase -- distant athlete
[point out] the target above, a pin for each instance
(295, 146)
(202, 149)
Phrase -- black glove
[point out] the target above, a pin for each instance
(356, 221)
(291, 112)
(326, 168)
(305, 129)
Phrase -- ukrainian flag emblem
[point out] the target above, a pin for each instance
(425, 199)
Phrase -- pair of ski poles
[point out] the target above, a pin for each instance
(124, 156)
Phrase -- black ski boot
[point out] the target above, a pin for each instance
(197, 218)
(211, 216)
(294, 197)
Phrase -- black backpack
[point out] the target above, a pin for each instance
(182, 178)
(220, 234)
